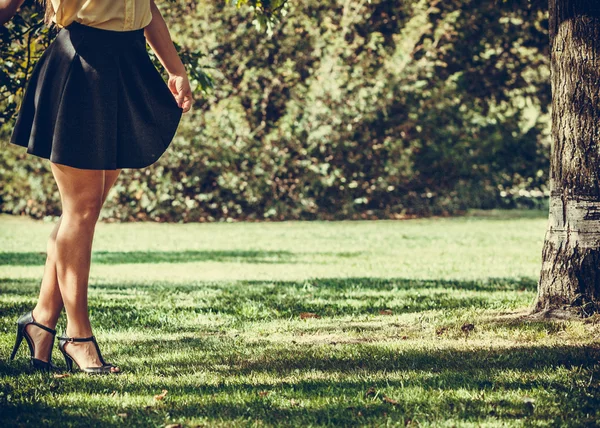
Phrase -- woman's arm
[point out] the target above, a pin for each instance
(8, 8)
(159, 39)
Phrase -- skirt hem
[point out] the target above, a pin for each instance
(58, 161)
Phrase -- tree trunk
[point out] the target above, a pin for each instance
(570, 275)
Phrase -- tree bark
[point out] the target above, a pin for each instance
(570, 275)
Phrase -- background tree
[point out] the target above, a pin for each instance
(570, 277)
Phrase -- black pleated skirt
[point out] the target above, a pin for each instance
(96, 101)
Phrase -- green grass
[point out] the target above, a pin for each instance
(211, 313)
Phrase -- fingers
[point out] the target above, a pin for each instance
(187, 103)
(174, 87)
(179, 98)
(180, 88)
(186, 95)
(185, 99)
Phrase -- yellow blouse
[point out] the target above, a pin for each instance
(117, 15)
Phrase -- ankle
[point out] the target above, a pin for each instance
(45, 317)
(79, 331)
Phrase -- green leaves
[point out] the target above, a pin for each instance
(268, 12)
(21, 42)
(355, 109)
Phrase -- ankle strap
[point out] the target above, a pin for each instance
(77, 339)
(43, 327)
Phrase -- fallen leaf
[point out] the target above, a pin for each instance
(173, 426)
(404, 337)
(112, 394)
(387, 399)
(467, 328)
(123, 415)
(161, 396)
(306, 315)
(386, 312)
(263, 393)
(61, 376)
(370, 391)
(441, 331)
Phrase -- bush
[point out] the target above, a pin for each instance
(350, 110)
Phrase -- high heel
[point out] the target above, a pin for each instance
(20, 336)
(104, 369)
(68, 361)
(36, 363)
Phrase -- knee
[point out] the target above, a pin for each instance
(85, 212)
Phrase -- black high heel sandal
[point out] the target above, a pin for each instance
(104, 369)
(36, 363)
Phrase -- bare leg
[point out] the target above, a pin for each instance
(82, 193)
(50, 303)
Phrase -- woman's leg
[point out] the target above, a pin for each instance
(110, 178)
(82, 193)
(50, 303)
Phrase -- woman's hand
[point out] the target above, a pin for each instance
(181, 90)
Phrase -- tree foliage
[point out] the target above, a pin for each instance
(349, 109)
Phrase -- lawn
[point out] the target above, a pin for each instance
(371, 323)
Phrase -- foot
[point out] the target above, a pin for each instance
(42, 342)
(84, 354)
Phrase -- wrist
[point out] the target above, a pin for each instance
(179, 70)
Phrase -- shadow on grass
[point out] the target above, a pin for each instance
(168, 306)
(430, 384)
(452, 366)
(150, 257)
(27, 286)
(284, 409)
(232, 380)
(40, 414)
(239, 357)
(392, 284)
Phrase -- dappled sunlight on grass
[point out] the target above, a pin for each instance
(151, 257)
(298, 324)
